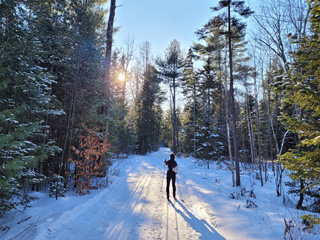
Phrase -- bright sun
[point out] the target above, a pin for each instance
(122, 77)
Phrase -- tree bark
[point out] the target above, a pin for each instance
(301, 195)
(194, 116)
(174, 117)
(227, 113)
(258, 128)
(249, 123)
(267, 102)
(108, 63)
(232, 104)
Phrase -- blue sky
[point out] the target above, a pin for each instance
(160, 21)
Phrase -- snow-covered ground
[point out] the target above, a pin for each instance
(134, 207)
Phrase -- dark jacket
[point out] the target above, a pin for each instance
(171, 164)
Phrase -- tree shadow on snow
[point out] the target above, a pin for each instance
(199, 225)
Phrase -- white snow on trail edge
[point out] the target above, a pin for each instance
(134, 207)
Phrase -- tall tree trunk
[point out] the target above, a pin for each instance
(267, 102)
(232, 104)
(249, 123)
(244, 154)
(174, 117)
(230, 153)
(69, 125)
(280, 169)
(301, 194)
(258, 127)
(227, 116)
(194, 116)
(229, 139)
(251, 139)
(107, 78)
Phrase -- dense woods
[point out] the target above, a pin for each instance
(70, 101)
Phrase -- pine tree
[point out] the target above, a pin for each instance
(71, 35)
(235, 29)
(166, 129)
(209, 145)
(190, 85)
(26, 102)
(302, 81)
(171, 71)
(148, 118)
(119, 132)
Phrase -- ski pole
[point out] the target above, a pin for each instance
(163, 177)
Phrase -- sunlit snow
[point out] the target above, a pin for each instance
(134, 206)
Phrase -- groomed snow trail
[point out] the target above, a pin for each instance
(135, 207)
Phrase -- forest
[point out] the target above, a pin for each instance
(70, 101)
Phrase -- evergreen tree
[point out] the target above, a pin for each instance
(148, 114)
(235, 29)
(190, 84)
(171, 70)
(50, 71)
(303, 80)
(26, 102)
(211, 53)
(209, 146)
(166, 129)
(119, 132)
(70, 32)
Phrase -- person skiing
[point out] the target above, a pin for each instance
(171, 174)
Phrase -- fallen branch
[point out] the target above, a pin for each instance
(23, 220)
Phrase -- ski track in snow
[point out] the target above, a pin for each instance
(137, 211)
(135, 207)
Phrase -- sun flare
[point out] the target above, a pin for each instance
(122, 77)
